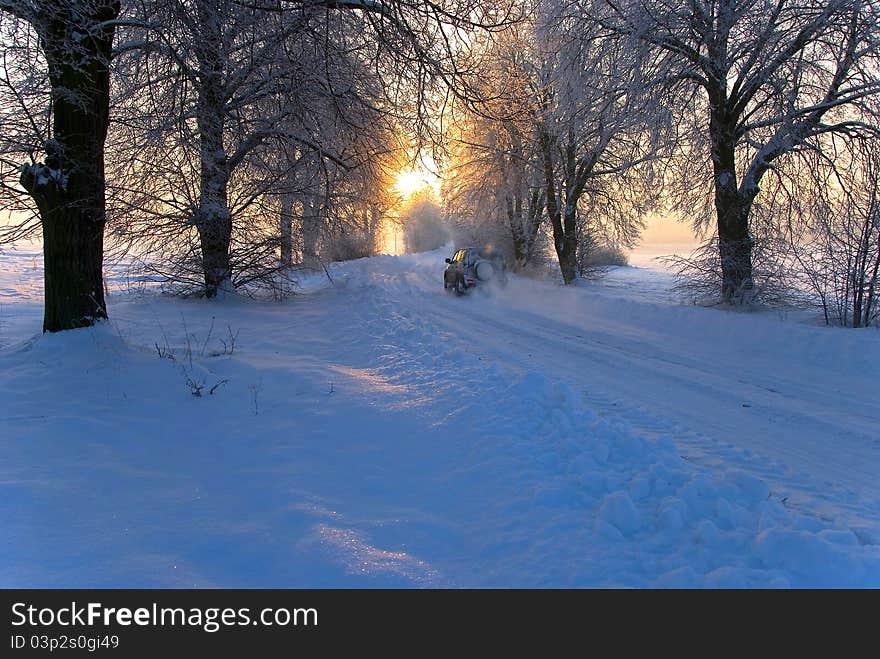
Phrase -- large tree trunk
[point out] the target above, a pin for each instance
(564, 238)
(215, 231)
(566, 192)
(563, 220)
(524, 225)
(732, 209)
(524, 205)
(514, 203)
(69, 187)
(735, 248)
(533, 223)
(214, 220)
(566, 245)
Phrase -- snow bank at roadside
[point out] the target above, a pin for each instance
(657, 520)
(631, 510)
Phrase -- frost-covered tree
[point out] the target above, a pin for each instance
(65, 174)
(221, 80)
(493, 189)
(338, 209)
(411, 42)
(271, 106)
(579, 103)
(424, 227)
(600, 127)
(253, 74)
(834, 229)
(758, 80)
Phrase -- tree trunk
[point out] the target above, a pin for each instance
(735, 248)
(374, 221)
(517, 233)
(214, 223)
(861, 273)
(214, 220)
(69, 187)
(215, 232)
(311, 231)
(871, 297)
(566, 245)
(73, 256)
(732, 209)
(524, 224)
(533, 223)
(287, 201)
(564, 233)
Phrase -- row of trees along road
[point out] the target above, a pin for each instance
(211, 84)
(591, 113)
(573, 118)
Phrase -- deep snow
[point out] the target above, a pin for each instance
(379, 432)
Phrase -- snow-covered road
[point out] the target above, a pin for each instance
(790, 401)
(380, 432)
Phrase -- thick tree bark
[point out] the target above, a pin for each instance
(214, 219)
(519, 231)
(215, 231)
(564, 238)
(69, 187)
(732, 208)
(567, 244)
(735, 249)
(73, 255)
(563, 220)
(536, 209)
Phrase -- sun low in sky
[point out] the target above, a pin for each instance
(413, 180)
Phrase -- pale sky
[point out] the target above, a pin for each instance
(659, 230)
(667, 230)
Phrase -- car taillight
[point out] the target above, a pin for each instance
(470, 281)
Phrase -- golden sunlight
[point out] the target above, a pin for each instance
(391, 239)
(410, 181)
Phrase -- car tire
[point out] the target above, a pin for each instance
(484, 271)
(460, 287)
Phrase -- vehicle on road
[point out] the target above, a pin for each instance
(473, 266)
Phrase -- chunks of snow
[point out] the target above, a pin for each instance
(43, 175)
(618, 510)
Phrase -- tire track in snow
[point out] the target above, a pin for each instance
(617, 370)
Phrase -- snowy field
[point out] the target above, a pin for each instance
(379, 432)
